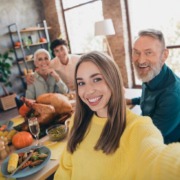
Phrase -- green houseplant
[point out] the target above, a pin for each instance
(5, 70)
(7, 101)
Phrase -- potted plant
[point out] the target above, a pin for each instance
(7, 101)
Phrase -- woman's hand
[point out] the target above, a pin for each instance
(54, 74)
(29, 78)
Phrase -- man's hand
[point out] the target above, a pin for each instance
(128, 102)
(29, 78)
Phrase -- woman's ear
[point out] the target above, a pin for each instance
(35, 64)
(165, 55)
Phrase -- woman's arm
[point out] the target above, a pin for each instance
(153, 159)
(62, 86)
(30, 92)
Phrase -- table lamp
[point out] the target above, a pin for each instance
(105, 28)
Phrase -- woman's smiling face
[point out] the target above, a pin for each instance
(42, 61)
(92, 88)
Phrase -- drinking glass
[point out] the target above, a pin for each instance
(34, 128)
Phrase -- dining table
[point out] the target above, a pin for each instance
(56, 148)
(133, 93)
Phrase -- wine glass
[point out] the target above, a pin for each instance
(34, 128)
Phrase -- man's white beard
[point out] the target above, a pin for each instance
(150, 75)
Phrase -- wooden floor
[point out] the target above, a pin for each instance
(8, 114)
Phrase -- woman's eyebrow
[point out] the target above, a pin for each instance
(79, 78)
(93, 75)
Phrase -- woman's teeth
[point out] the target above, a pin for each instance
(92, 100)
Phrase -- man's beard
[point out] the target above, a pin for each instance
(153, 72)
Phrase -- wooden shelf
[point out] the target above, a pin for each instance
(35, 44)
(21, 61)
(29, 39)
(31, 29)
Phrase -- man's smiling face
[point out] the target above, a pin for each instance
(148, 57)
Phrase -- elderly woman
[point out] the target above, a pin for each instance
(46, 80)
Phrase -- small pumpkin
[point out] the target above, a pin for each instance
(17, 44)
(23, 110)
(22, 139)
(42, 39)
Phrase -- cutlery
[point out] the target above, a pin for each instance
(21, 165)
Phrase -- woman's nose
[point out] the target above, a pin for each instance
(89, 89)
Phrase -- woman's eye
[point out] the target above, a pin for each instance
(97, 79)
(80, 83)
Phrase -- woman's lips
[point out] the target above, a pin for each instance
(94, 101)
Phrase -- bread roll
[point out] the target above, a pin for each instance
(13, 162)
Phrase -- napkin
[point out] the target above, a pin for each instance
(17, 120)
(3, 178)
(56, 148)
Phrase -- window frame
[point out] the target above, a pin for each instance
(70, 8)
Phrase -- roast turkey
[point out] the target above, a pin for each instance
(58, 101)
(50, 105)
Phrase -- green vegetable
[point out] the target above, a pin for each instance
(58, 133)
(34, 158)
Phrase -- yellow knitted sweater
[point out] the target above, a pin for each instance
(141, 155)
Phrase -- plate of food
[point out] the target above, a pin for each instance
(38, 157)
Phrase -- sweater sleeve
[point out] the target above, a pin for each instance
(62, 87)
(65, 169)
(30, 92)
(136, 101)
(153, 159)
(166, 115)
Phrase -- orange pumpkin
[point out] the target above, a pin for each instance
(42, 39)
(22, 139)
(17, 44)
(23, 110)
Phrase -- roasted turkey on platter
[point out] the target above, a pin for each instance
(50, 105)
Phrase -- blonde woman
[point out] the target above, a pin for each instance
(46, 80)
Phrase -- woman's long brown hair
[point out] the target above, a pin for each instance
(109, 139)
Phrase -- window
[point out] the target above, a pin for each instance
(162, 15)
(80, 17)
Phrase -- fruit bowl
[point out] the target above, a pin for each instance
(57, 132)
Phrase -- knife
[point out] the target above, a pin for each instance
(19, 167)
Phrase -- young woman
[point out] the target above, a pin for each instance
(46, 80)
(108, 141)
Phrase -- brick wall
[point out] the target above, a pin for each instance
(52, 20)
(113, 10)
